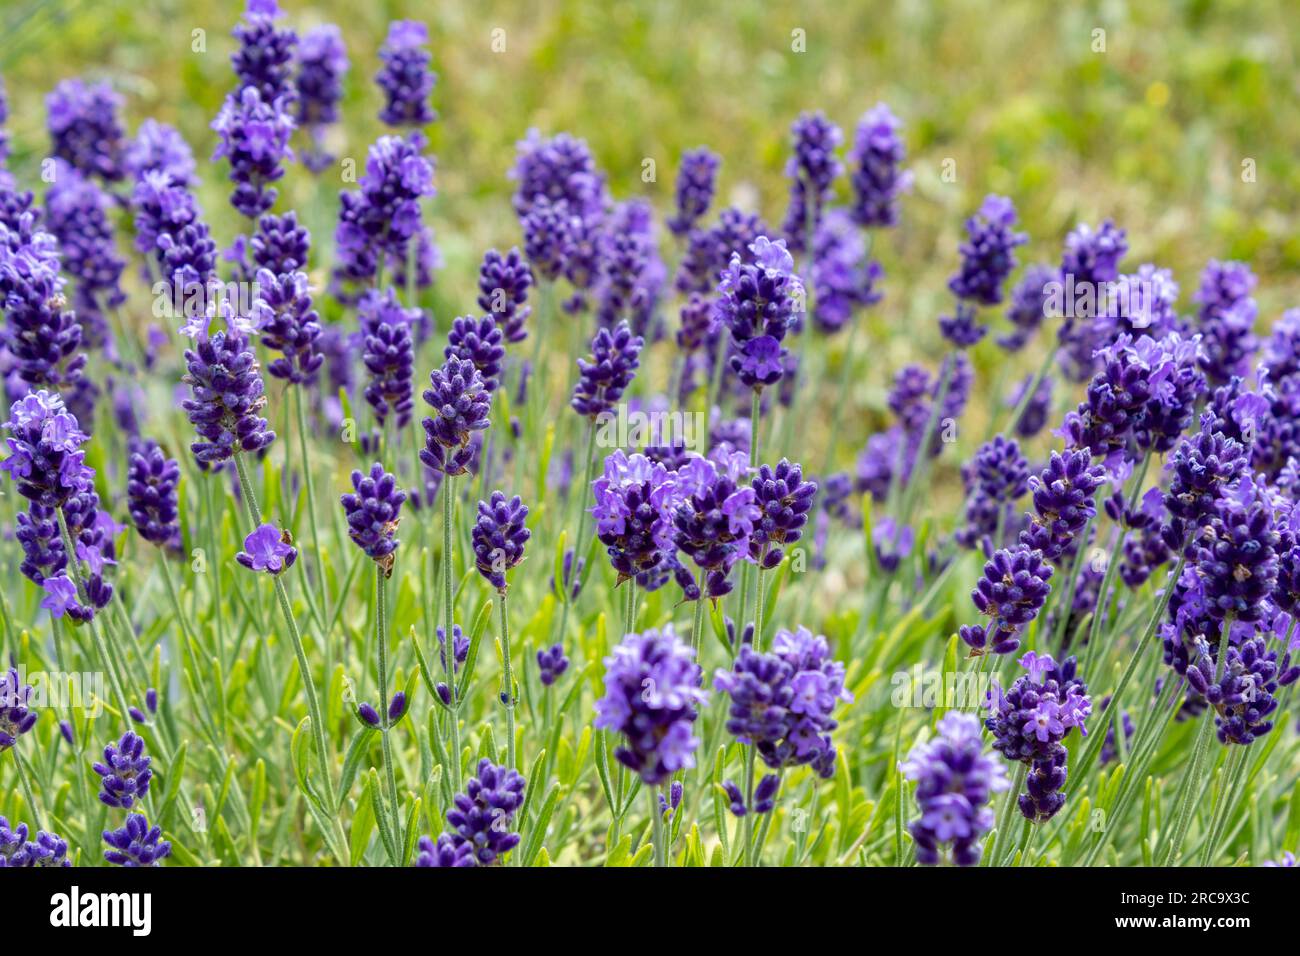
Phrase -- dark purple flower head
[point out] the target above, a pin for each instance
(1029, 305)
(136, 844)
(461, 404)
(955, 781)
(481, 816)
(1001, 471)
(280, 244)
(498, 537)
(43, 338)
(615, 356)
(227, 397)
(322, 65)
(265, 55)
(1093, 256)
(446, 852)
(503, 283)
(268, 549)
(284, 315)
(708, 251)
(388, 352)
(379, 219)
(151, 495)
(1236, 553)
(159, 148)
(1033, 419)
(78, 214)
(372, 510)
(16, 715)
(1226, 320)
(405, 77)
(1064, 501)
(1243, 692)
(16, 850)
(1029, 722)
(479, 341)
(1010, 593)
(877, 154)
(45, 457)
(551, 663)
(631, 274)
(758, 303)
(843, 277)
(1140, 303)
(693, 193)
(781, 703)
(652, 692)
(716, 519)
(961, 328)
(634, 502)
(812, 170)
(699, 328)
(784, 500)
(125, 772)
(988, 255)
(84, 127)
(254, 136)
(558, 169)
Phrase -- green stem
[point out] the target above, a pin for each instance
(657, 828)
(381, 645)
(295, 636)
(578, 548)
(448, 617)
(37, 817)
(1005, 816)
(310, 489)
(508, 679)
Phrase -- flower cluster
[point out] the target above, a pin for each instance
(405, 77)
(288, 324)
(125, 772)
(843, 278)
(78, 214)
(693, 192)
(784, 501)
(16, 716)
(634, 503)
(151, 495)
(758, 303)
(16, 850)
(716, 519)
(267, 548)
(988, 254)
(1226, 320)
(322, 64)
(782, 702)
(388, 353)
(498, 537)
(461, 402)
(955, 780)
(503, 283)
(479, 819)
(812, 169)
(1010, 592)
(253, 134)
(877, 154)
(1029, 722)
(136, 844)
(1064, 497)
(480, 342)
(266, 52)
(226, 397)
(615, 356)
(652, 692)
(84, 128)
(373, 510)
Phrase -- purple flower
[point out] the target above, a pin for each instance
(388, 353)
(227, 398)
(60, 597)
(781, 703)
(1029, 722)
(151, 495)
(615, 356)
(268, 549)
(482, 814)
(758, 303)
(379, 219)
(559, 169)
(955, 781)
(503, 283)
(479, 341)
(159, 148)
(16, 850)
(77, 213)
(322, 65)
(1010, 593)
(877, 154)
(843, 277)
(446, 852)
(45, 457)
(784, 501)
(1063, 495)
(498, 537)
(372, 511)
(634, 502)
(631, 273)
(988, 255)
(136, 844)
(693, 192)
(284, 315)
(265, 53)
(812, 170)
(461, 403)
(551, 663)
(652, 691)
(84, 128)
(405, 77)
(716, 519)
(125, 772)
(254, 136)
(1029, 305)
(1243, 692)
(960, 328)
(1226, 320)
(708, 251)
(16, 716)
(280, 244)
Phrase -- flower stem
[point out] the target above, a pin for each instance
(381, 645)
(657, 828)
(295, 636)
(508, 682)
(1004, 818)
(449, 617)
(578, 548)
(309, 487)
(27, 788)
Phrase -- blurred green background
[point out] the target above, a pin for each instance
(1152, 132)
